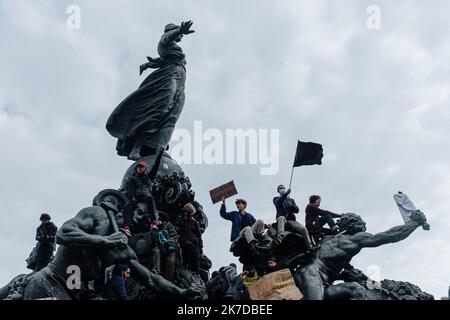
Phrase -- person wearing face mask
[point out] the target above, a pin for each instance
(285, 206)
(286, 220)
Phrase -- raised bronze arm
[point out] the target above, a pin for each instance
(395, 234)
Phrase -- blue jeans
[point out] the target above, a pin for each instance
(327, 219)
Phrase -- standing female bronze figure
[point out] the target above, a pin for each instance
(145, 120)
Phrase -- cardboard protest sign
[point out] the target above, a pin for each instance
(226, 190)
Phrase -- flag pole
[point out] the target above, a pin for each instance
(293, 166)
(292, 174)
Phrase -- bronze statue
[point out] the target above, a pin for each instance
(336, 251)
(145, 120)
(98, 237)
(91, 242)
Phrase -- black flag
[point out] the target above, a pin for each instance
(308, 153)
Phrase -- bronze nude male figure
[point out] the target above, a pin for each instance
(337, 251)
(89, 241)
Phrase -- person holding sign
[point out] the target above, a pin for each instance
(239, 219)
(243, 224)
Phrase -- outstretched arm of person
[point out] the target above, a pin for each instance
(223, 212)
(395, 234)
(321, 212)
(171, 35)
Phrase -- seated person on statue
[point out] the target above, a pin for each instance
(286, 220)
(316, 218)
(239, 219)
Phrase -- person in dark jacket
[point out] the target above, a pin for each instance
(115, 288)
(286, 210)
(284, 205)
(139, 189)
(316, 218)
(165, 240)
(190, 238)
(45, 236)
(239, 219)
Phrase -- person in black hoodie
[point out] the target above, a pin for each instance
(45, 236)
(190, 238)
(139, 189)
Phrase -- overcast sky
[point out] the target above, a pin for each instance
(376, 99)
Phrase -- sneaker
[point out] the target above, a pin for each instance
(335, 230)
(279, 238)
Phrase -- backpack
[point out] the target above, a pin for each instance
(165, 243)
(217, 286)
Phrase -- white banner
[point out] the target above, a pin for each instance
(405, 205)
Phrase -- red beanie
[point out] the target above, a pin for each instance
(143, 164)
